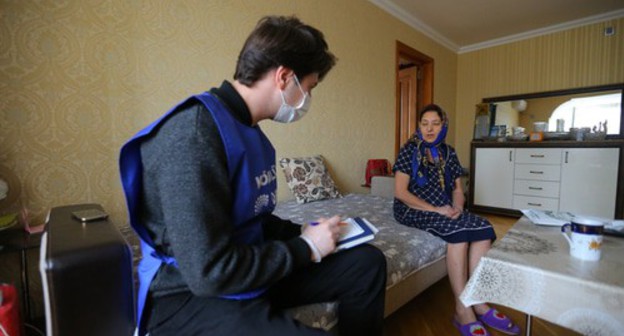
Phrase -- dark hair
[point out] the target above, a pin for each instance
(280, 40)
(433, 108)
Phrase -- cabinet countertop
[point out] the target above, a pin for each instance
(549, 143)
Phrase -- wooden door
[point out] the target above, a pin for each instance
(413, 91)
(408, 86)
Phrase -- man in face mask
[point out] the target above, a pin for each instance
(200, 186)
(288, 113)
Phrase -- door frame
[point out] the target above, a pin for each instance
(424, 94)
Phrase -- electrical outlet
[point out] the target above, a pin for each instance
(609, 31)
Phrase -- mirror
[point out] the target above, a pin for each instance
(591, 107)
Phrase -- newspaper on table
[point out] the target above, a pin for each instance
(554, 218)
(547, 217)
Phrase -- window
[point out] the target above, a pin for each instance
(589, 112)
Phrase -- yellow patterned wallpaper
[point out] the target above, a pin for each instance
(79, 77)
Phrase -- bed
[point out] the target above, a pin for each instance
(415, 259)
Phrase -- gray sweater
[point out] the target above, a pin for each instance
(186, 206)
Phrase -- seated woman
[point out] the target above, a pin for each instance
(429, 196)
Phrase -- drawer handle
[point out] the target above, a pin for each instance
(537, 156)
(535, 188)
(534, 204)
(536, 172)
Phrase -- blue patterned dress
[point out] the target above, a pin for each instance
(467, 228)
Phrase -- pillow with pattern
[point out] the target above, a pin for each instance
(308, 179)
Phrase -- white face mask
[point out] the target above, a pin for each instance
(288, 113)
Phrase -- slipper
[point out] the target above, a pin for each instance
(471, 329)
(499, 321)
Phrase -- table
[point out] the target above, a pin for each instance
(16, 239)
(530, 270)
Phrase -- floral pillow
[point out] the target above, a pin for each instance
(308, 179)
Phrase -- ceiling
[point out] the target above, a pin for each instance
(465, 25)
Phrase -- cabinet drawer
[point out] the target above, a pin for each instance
(528, 202)
(538, 155)
(536, 188)
(538, 172)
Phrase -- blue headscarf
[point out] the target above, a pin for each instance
(436, 153)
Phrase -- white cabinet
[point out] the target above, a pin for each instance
(493, 177)
(589, 181)
(584, 179)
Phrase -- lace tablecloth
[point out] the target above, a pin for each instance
(531, 270)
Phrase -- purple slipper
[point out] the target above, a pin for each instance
(471, 329)
(499, 321)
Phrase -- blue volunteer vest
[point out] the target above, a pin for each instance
(251, 173)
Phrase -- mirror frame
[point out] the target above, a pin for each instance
(589, 89)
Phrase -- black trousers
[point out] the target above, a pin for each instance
(356, 278)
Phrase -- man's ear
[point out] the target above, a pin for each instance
(282, 74)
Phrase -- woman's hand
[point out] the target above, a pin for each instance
(458, 211)
(449, 211)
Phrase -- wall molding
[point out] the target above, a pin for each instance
(428, 31)
(415, 23)
(545, 31)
